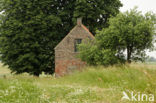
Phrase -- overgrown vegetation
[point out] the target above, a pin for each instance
(30, 29)
(93, 85)
(130, 31)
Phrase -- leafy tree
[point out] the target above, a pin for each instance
(131, 31)
(30, 29)
(95, 13)
(93, 55)
(27, 30)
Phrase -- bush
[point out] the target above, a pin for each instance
(93, 55)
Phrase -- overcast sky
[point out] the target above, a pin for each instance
(144, 6)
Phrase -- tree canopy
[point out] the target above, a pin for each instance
(30, 29)
(130, 31)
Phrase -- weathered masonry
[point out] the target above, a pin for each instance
(66, 50)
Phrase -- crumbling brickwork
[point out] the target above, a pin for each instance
(65, 54)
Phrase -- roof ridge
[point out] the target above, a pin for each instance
(65, 36)
(84, 27)
(87, 30)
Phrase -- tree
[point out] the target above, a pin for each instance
(95, 13)
(131, 31)
(30, 29)
(27, 30)
(93, 55)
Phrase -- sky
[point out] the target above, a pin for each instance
(144, 6)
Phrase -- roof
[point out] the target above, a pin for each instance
(79, 24)
(64, 38)
(87, 30)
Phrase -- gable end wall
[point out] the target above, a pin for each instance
(65, 56)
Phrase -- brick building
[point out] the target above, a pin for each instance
(66, 50)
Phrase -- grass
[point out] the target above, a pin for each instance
(93, 85)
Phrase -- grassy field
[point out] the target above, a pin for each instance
(93, 85)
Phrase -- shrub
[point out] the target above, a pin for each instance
(93, 55)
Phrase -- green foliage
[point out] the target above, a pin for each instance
(13, 91)
(125, 77)
(27, 29)
(30, 29)
(94, 55)
(95, 13)
(93, 85)
(71, 94)
(131, 31)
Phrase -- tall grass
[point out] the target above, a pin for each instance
(92, 85)
(125, 77)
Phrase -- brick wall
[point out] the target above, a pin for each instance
(64, 67)
(65, 56)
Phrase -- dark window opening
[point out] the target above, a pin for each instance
(77, 42)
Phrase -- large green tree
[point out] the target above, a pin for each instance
(28, 36)
(132, 32)
(30, 29)
(129, 31)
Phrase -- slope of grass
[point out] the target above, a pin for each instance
(93, 85)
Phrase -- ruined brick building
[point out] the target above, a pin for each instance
(66, 50)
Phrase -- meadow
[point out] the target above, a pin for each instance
(92, 85)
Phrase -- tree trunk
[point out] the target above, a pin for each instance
(128, 55)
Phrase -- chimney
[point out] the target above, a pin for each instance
(79, 21)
